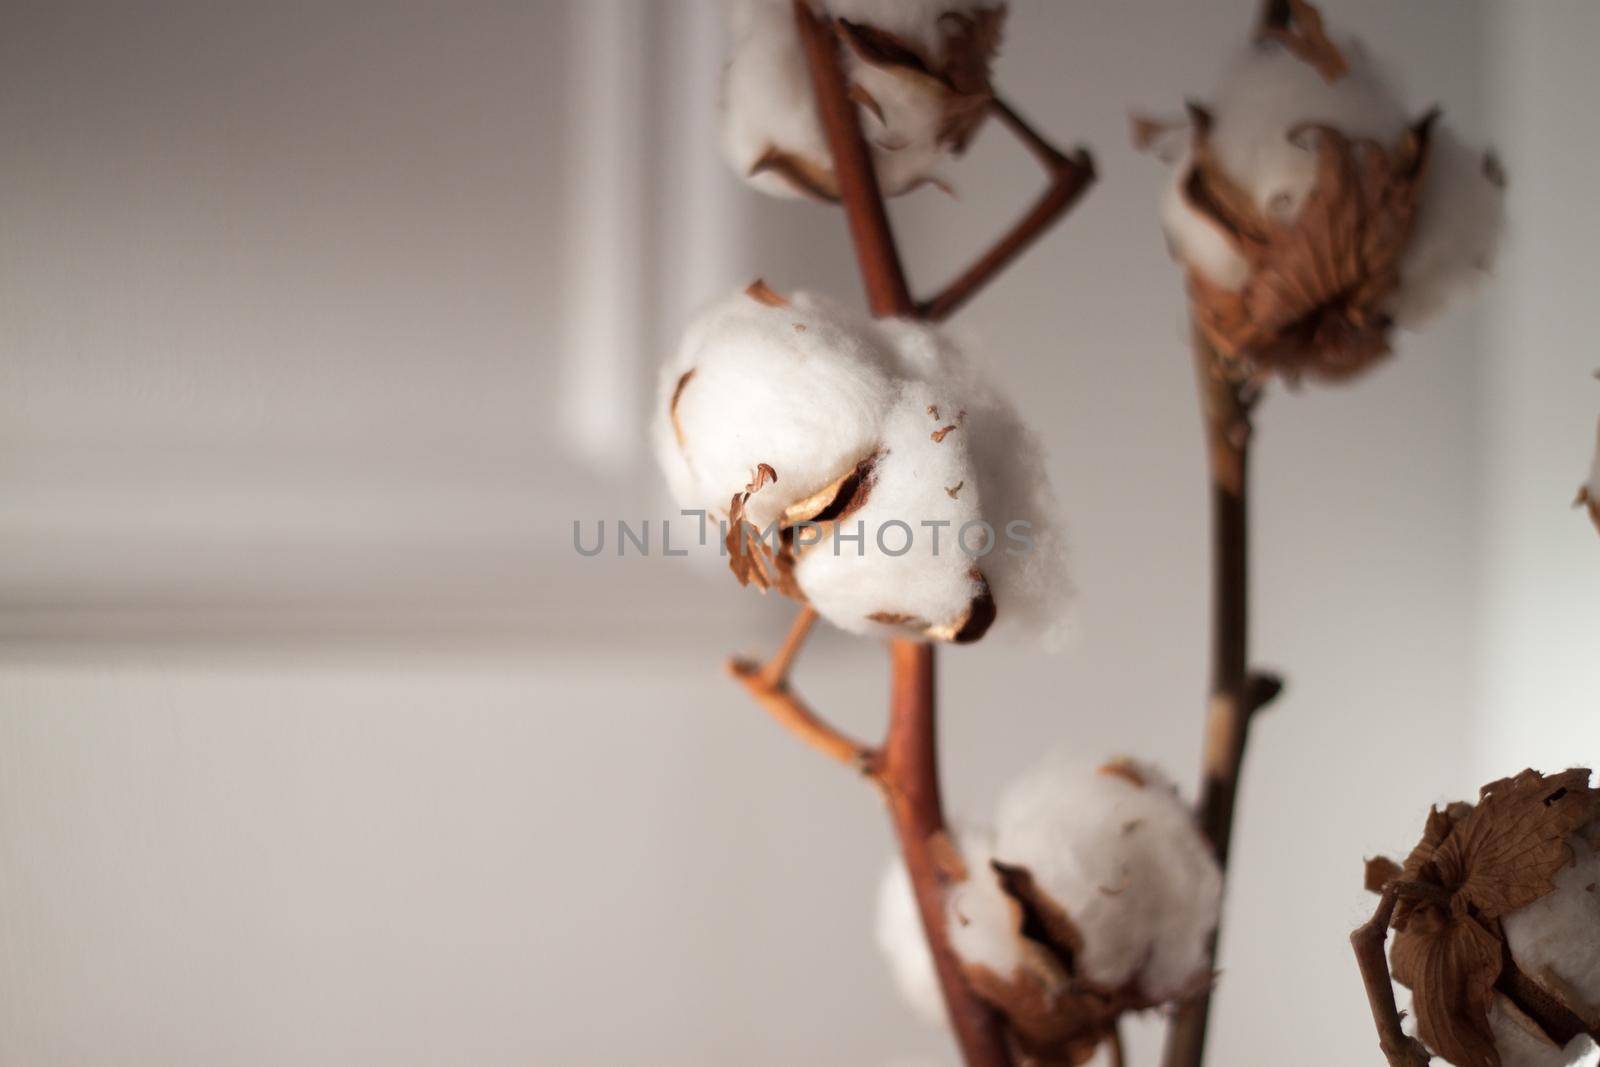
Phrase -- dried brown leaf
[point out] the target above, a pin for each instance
(1305, 36)
(1451, 972)
(762, 293)
(805, 176)
(672, 407)
(1507, 852)
(1381, 870)
(1124, 769)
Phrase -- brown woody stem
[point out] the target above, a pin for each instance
(1368, 942)
(907, 766)
(1236, 694)
(1070, 177)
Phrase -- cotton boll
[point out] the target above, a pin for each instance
(905, 946)
(1269, 93)
(1520, 1043)
(920, 97)
(1556, 939)
(907, 571)
(1118, 852)
(800, 386)
(1458, 229)
(1028, 578)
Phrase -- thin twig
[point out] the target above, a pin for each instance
(1236, 694)
(1368, 941)
(776, 672)
(1070, 177)
(769, 685)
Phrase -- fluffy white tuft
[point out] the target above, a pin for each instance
(767, 100)
(1520, 1042)
(1268, 93)
(958, 493)
(1030, 582)
(766, 94)
(905, 947)
(802, 387)
(984, 924)
(1194, 238)
(1557, 937)
(902, 566)
(1126, 863)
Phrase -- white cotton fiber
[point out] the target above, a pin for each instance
(1556, 939)
(983, 922)
(1268, 93)
(766, 94)
(767, 101)
(1029, 579)
(905, 946)
(802, 388)
(954, 520)
(1194, 238)
(909, 564)
(1460, 220)
(1118, 850)
(1520, 1043)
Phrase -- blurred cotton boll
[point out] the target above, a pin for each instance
(1314, 210)
(1118, 851)
(918, 70)
(1094, 896)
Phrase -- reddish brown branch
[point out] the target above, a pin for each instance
(1235, 693)
(1070, 177)
(1368, 942)
(876, 252)
(908, 764)
(769, 685)
(909, 772)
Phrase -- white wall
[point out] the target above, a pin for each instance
(318, 745)
(1541, 636)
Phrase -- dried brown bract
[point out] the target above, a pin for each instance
(1475, 866)
(1314, 301)
(955, 80)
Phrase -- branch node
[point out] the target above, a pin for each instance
(1262, 688)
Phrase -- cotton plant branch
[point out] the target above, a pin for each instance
(769, 684)
(1236, 693)
(908, 768)
(905, 766)
(1070, 178)
(887, 290)
(1368, 940)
